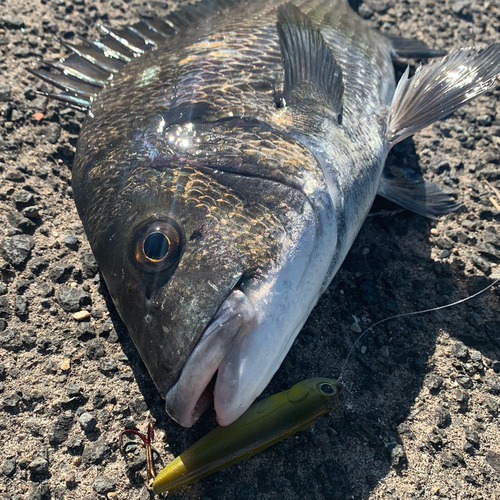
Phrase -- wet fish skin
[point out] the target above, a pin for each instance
(125, 172)
(258, 170)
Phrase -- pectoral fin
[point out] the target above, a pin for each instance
(439, 88)
(406, 188)
(408, 48)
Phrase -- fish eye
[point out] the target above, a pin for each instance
(157, 244)
(326, 389)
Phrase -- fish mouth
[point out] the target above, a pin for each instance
(193, 392)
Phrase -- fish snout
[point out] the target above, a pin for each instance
(192, 394)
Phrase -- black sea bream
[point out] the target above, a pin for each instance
(229, 158)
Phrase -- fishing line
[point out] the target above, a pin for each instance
(404, 315)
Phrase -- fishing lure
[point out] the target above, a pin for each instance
(262, 425)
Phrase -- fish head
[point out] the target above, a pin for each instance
(203, 260)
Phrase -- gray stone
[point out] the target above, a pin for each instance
(85, 331)
(459, 350)
(434, 382)
(9, 467)
(12, 22)
(39, 466)
(19, 221)
(74, 390)
(481, 263)
(40, 492)
(20, 306)
(103, 485)
(473, 438)
(72, 299)
(38, 264)
(95, 453)
(87, 422)
(443, 417)
(61, 272)
(489, 251)
(398, 457)
(52, 132)
(465, 381)
(60, 429)
(4, 92)
(379, 6)
(365, 11)
(17, 249)
(31, 212)
(439, 165)
(11, 401)
(23, 199)
(492, 384)
(138, 405)
(453, 459)
(71, 241)
(95, 349)
(484, 120)
(89, 264)
(107, 365)
(493, 460)
(11, 340)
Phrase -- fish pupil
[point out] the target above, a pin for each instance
(156, 246)
(326, 388)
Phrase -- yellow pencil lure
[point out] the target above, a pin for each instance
(262, 425)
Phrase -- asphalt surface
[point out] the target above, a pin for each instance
(419, 414)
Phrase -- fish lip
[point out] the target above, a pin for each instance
(192, 394)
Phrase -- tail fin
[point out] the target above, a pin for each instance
(439, 88)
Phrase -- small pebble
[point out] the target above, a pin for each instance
(9, 467)
(355, 328)
(12, 22)
(459, 350)
(81, 315)
(444, 254)
(103, 485)
(39, 466)
(87, 422)
(65, 365)
(434, 382)
(72, 299)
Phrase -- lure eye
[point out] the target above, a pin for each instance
(326, 389)
(157, 244)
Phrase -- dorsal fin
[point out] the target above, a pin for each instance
(308, 58)
(88, 68)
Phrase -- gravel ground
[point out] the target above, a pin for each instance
(419, 416)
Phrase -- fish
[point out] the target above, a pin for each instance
(265, 423)
(229, 158)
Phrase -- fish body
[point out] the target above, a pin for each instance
(224, 173)
(262, 425)
(266, 208)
